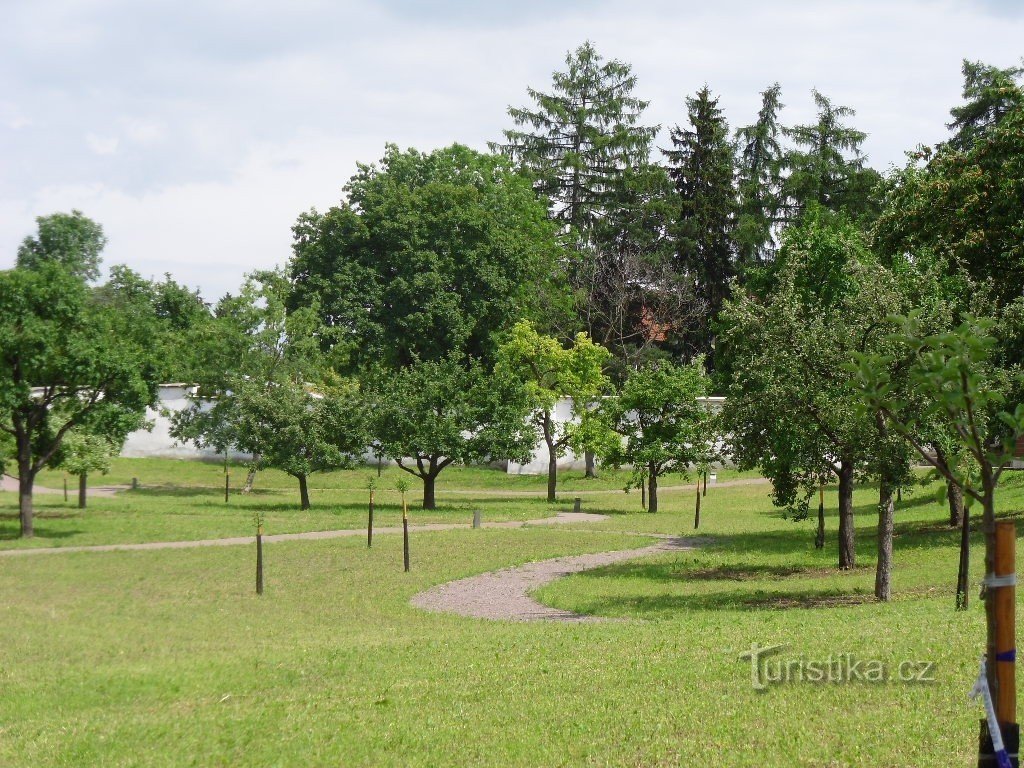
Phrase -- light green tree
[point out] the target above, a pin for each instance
(663, 423)
(83, 453)
(551, 372)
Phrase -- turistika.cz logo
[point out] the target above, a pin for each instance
(768, 667)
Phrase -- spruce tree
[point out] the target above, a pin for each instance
(701, 165)
(826, 164)
(578, 140)
(990, 94)
(758, 181)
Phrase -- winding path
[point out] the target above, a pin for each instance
(561, 518)
(505, 594)
(9, 483)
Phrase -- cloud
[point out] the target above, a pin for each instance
(210, 126)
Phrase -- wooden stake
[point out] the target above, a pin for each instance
(705, 483)
(405, 533)
(643, 492)
(1006, 624)
(819, 539)
(227, 486)
(259, 560)
(576, 503)
(369, 524)
(65, 488)
(696, 515)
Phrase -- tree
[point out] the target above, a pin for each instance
(69, 239)
(664, 425)
(176, 315)
(266, 390)
(789, 408)
(701, 165)
(990, 94)
(299, 429)
(430, 255)
(826, 165)
(432, 414)
(83, 453)
(964, 203)
(579, 141)
(64, 360)
(949, 373)
(758, 182)
(551, 372)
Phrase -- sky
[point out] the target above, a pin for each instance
(196, 132)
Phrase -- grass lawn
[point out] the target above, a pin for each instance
(182, 500)
(168, 658)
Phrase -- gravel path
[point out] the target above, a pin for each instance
(600, 491)
(8, 483)
(561, 518)
(505, 594)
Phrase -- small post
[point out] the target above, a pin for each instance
(402, 487)
(405, 535)
(135, 483)
(259, 559)
(705, 483)
(65, 488)
(643, 492)
(819, 537)
(1006, 625)
(476, 518)
(576, 504)
(696, 515)
(227, 486)
(369, 523)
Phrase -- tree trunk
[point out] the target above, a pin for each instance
(847, 548)
(591, 461)
(883, 570)
(250, 478)
(963, 571)
(552, 459)
(652, 488)
(26, 479)
(303, 492)
(83, 481)
(819, 538)
(696, 514)
(955, 496)
(429, 501)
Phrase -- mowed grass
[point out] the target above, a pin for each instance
(184, 500)
(168, 657)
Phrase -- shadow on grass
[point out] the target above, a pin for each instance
(42, 533)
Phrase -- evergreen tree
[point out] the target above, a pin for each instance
(701, 165)
(826, 163)
(577, 141)
(990, 94)
(758, 181)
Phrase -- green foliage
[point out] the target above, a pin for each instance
(91, 365)
(550, 372)
(963, 200)
(826, 165)
(580, 140)
(265, 388)
(758, 182)
(990, 94)
(177, 317)
(664, 425)
(70, 239)
(430, 255)
(951, 373)
(432, 414)
(789, 409)
(83, 453)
